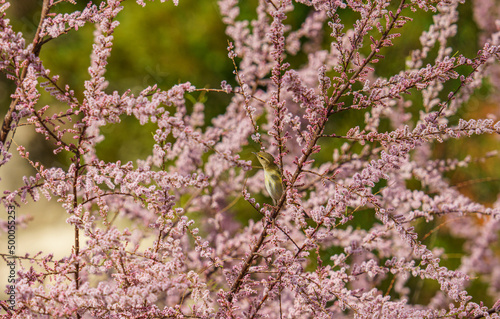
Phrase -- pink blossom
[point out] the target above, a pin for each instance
(186, 230)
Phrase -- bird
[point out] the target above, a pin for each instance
(272, 175)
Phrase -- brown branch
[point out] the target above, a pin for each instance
(37, 45)
(224, 91)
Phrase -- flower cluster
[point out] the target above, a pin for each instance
(350, 238)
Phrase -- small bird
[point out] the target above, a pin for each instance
(272, 176)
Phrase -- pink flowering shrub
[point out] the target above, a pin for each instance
(343, 241)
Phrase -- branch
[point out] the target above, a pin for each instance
(37, 45)
(302, 161)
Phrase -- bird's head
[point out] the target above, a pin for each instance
(265, 159)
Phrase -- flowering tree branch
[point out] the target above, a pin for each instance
(36, 47)
(367, 192)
